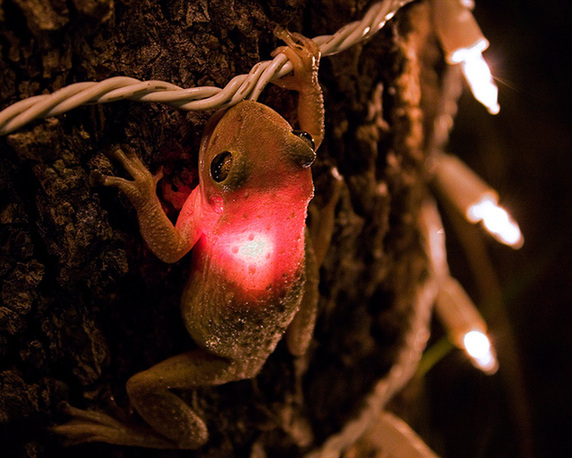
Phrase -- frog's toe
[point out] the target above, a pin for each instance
(299, 43)
(91, 426)
(121, 152)
(302, 52)
(130, 161)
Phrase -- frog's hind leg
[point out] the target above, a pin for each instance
(151, 395)
(172, 423)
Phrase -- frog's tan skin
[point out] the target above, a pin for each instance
(237, 304)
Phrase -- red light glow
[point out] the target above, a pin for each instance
(251, 225)
(256, 247)
(249, 257)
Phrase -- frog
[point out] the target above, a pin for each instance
(254, 266)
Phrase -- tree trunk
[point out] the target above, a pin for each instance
(84, 305)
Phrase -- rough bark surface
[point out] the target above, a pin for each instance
(84, 305)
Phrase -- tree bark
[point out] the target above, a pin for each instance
(84, 305)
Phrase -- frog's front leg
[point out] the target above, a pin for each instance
(300, 330)
(169, 243)
(172, 422)
(304, 54)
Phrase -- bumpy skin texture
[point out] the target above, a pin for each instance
(247, 273)
(245, 223)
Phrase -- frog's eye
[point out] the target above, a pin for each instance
(220, 166)
(306, 137)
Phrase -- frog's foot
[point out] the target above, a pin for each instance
(304, 54)
(143, 186)
(91, 426)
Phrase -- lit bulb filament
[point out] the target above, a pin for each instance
(480, 79)
(496, 221)
(479, 348)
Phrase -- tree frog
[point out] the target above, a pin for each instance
(252, 276)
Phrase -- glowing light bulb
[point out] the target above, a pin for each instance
(464, 324)
(496, 221)
(475, 199)
(456, 311)
(463, 43)
(480, 79)
(479, 348)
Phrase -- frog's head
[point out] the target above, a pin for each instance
(251, 148)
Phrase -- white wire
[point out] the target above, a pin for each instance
(411, 349)
(400, 374)
(239, 88)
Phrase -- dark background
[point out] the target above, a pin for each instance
(524, 152)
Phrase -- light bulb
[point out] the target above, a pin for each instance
(496, 221)
(480, 79)
(463, 43)
(479, 348)
(475, 199)
(464, 324)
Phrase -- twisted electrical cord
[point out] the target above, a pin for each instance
(413, 344)
(399, 375)
(239, 88)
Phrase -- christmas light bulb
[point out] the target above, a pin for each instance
(463, 43)
(462, 321)
(466, 328)
(496, 221)
(480, 79)
(478, 346)
(475, 199)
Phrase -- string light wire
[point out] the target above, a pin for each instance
(402, 371)
(457, 312)
(246, 86)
